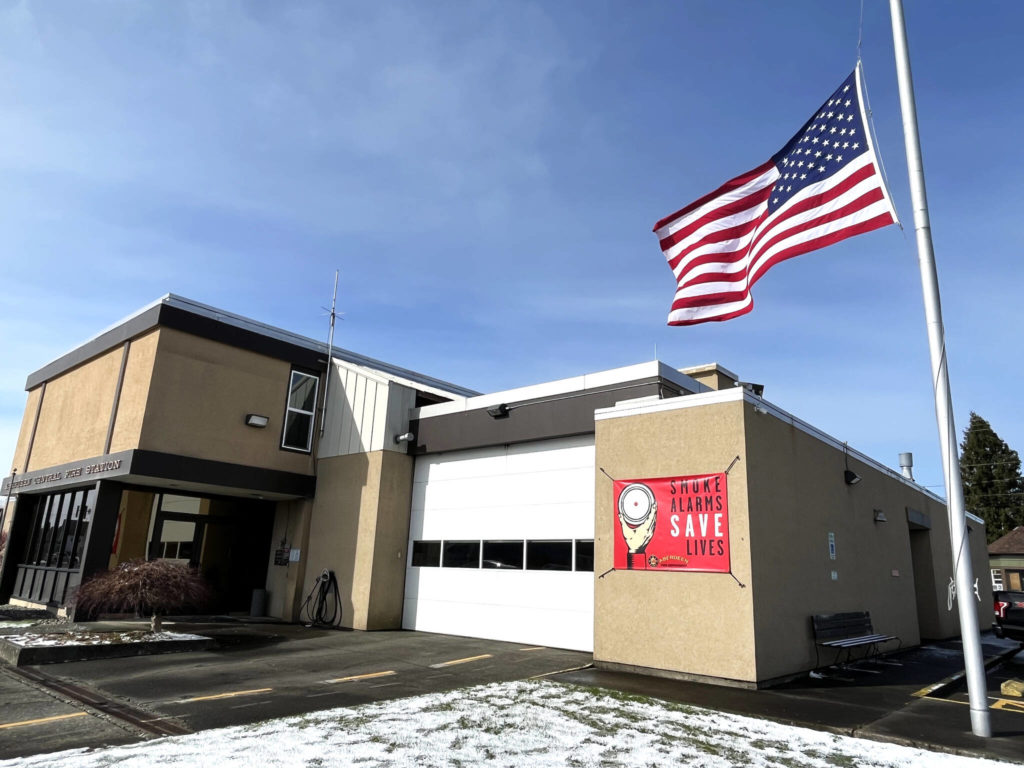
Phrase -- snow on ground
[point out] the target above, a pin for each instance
(83, 637)
(531, 723)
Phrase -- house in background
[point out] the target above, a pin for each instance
(263, 458)
(1006, 560)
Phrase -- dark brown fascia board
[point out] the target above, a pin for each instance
(166, 316)
(563, 415)
(130, 328)
(165, 466)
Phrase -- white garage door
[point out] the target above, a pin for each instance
(502, 544)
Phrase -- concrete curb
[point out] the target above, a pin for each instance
(21, 656)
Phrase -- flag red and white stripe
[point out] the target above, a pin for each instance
(822, 187)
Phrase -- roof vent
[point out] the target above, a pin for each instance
(907, 465)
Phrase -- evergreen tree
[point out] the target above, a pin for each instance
(993, 486)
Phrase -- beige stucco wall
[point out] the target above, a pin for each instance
(798, 497)
(201, 391)
(76, 410)
(786, 495)
(285, 582)
(359, 530)
(131, 405)
(694, 624)
(28, 419)
(132, 526)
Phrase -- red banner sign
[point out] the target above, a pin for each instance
(672, 524)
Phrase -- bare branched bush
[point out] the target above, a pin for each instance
(145, 587)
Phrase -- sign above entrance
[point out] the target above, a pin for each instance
(66, 474)
(672, 524)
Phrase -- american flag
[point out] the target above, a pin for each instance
(822, 187)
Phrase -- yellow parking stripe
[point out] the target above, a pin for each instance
(43, 720)
(368, 676)
(534, 648)
(225, 695)
(1008, 706)
(453, 662)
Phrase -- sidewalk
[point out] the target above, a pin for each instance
(874, 700)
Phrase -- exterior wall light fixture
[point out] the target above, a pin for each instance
(255, 420)
(407, 437)
(499, 411)
(851, 477)
(880, 516)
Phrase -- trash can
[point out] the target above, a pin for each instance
(259, 603)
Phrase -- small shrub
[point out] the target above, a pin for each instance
(147, 588)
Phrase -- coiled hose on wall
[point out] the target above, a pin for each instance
(322, 605)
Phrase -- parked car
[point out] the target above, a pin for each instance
(1009, 615)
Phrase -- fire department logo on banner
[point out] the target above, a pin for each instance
(673, 524)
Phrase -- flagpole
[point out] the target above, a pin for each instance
(963, 571)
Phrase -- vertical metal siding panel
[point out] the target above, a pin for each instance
(357, 410)
(380, 436)
(335, 399)
(345, 432)
(366, 417)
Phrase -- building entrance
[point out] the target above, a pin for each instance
(227, 539)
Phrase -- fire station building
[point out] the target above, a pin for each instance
(671, 521)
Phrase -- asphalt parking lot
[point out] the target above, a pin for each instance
(258, 671)
(265, 670)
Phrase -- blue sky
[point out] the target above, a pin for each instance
(485, 176)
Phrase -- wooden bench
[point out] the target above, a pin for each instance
(845, 632)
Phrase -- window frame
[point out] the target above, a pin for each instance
(289, 409)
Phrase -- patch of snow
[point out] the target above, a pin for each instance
(530, 723)
(83, 637)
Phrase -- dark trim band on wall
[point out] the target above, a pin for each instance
(97, 346)
(170, 466)
(137, 465)
(167, 316)
(564, 415)
(117, 397)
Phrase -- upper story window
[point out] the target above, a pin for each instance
(299, 415)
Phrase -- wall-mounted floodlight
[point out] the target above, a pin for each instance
(880, 516)
(255, 420)
(407, 437)
(851, 477)
(499, 411)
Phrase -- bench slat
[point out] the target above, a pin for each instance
(852, 641)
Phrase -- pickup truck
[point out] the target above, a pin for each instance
(1009, 615)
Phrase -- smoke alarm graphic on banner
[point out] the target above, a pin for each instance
(672, 524)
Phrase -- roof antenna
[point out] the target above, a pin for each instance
(330, 353)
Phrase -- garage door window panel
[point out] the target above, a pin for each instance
(426, 554)
(549, 555)
(503, 555)
(461, 554)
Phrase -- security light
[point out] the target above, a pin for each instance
(851, 477)
(498, 411)
(255, 420)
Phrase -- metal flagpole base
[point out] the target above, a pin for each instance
(980, 724)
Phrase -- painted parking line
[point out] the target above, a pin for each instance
(534, 648)
(230, 695)
(466, 660)
(1008, 706)
(367, 676)
(42, 720)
